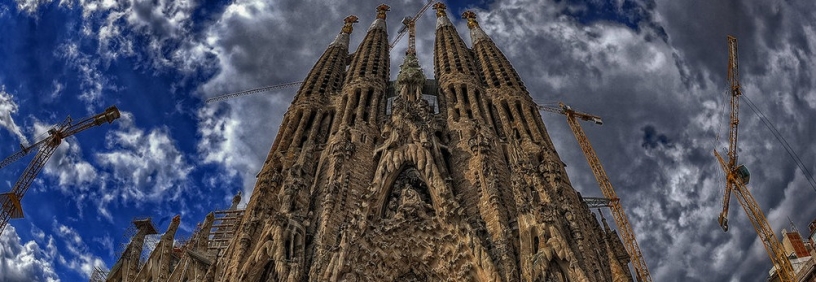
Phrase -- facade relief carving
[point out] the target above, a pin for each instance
(410, 194)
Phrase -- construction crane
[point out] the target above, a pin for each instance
(614, 204)
(737, 178)
(45, 148)
(410, 28)
(252, 91)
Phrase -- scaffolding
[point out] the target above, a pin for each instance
(150, 240)
(99, 275)
(223, 229)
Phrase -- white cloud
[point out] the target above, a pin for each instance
(107, 243)
(7, 108)
(92, 80)
(31, 6)
(25, 261)
(77, 257)
(58, 87)
(144, 165)
(67, 163)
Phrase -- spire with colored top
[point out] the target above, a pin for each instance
(496, 69)
(371, 58)
(326, 75)
(455, 70)
(517, 113)
(367, 76)
(325, 78)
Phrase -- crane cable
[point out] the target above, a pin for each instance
(782, 140)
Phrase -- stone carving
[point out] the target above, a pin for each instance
(433, 198)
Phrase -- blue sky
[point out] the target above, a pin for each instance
(654, 70)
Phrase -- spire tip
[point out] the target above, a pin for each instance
(470, 16)
(349, 21)
(440, 9)
(381, 9)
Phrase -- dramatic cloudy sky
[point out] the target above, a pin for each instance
(654, 70)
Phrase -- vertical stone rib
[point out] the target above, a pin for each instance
(368, 74)
(454, 65)
(321, 82)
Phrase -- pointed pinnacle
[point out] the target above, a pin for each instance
(440, 9)
(470, 16)
(349, 21)
(381, 9)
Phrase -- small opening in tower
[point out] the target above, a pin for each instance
(507, 113)
(452, 94)
(305, 134)
(523, 119)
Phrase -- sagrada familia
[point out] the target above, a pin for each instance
(447, 179)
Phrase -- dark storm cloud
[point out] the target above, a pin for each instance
(667, 96)
(652, 139)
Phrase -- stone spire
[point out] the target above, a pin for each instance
(517, 112)
(618, 257)
(367, 77)
(235, 200)
(496, 69)
(371, 58)
(161, 261)
(127, 266)
(455, 70)
(324, 79)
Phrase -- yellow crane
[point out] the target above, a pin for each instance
(737, 177)
(625, 228)
(45, 148)
(409, 27)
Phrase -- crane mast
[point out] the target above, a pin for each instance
(611, 198)
(737, 178)
(11, 207)
(409, 27)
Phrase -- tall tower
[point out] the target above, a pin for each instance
(446, 179)
(366, 185)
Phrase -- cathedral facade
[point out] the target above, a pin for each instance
(453, 178)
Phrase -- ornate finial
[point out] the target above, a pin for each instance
(440, 9)
(381, 9)
(470, 16)
(350, 20)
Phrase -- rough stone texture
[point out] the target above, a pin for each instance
(362, 184)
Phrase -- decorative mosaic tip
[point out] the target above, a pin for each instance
(381, 10)
(440, 9)
(350, 20)
(441, 15)
(476, 32)
(470, 16)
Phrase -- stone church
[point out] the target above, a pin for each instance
(446, 179)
